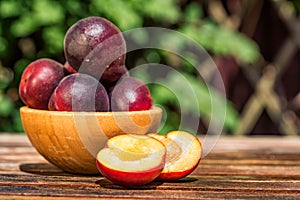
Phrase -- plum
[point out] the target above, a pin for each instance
(113, 74)
(38, 82)
(130, 94)
(184, 151)
(129, 160)
(94, 44)
(79, 92)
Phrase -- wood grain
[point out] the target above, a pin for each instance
(270, 169)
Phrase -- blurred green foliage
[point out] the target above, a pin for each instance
(31, 29)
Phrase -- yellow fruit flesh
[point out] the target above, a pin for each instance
(132, 153)
(182, 150)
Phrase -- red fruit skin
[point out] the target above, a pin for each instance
(79, 92)
(128, 179)
(173, 176)
(92, 44)
(38, 82)
(130, 94)
(51, 103)
(69, 68)
(176, 175)
(112, 74)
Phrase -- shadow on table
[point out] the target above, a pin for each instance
(43, 169)
(184, 180)
(48, 169)
(104, 183)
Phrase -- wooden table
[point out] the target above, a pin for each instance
(238, 167)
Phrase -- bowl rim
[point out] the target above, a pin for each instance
(153, 110)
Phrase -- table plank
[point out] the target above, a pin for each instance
(238, 167)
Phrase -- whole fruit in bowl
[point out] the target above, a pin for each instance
(130, 94)
(112, 75)
(38, 82)
(68, 117)
(93, 45)
(79, 92)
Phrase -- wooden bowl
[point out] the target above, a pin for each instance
(71, 140)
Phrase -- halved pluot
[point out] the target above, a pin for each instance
(130, 160)
(184, 152)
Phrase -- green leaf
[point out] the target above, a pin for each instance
(162, 11)
(6, 105)
(152, 56)
(3, 45)
(162, 95)
(74, 7)
(10, 8)
(20, 66)
(193, 13)
(222, 41)
(47, 12)
(54, 38)
(119, 12)
(172, 121)
(17, 123)
(195, 97)
(23, 26)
